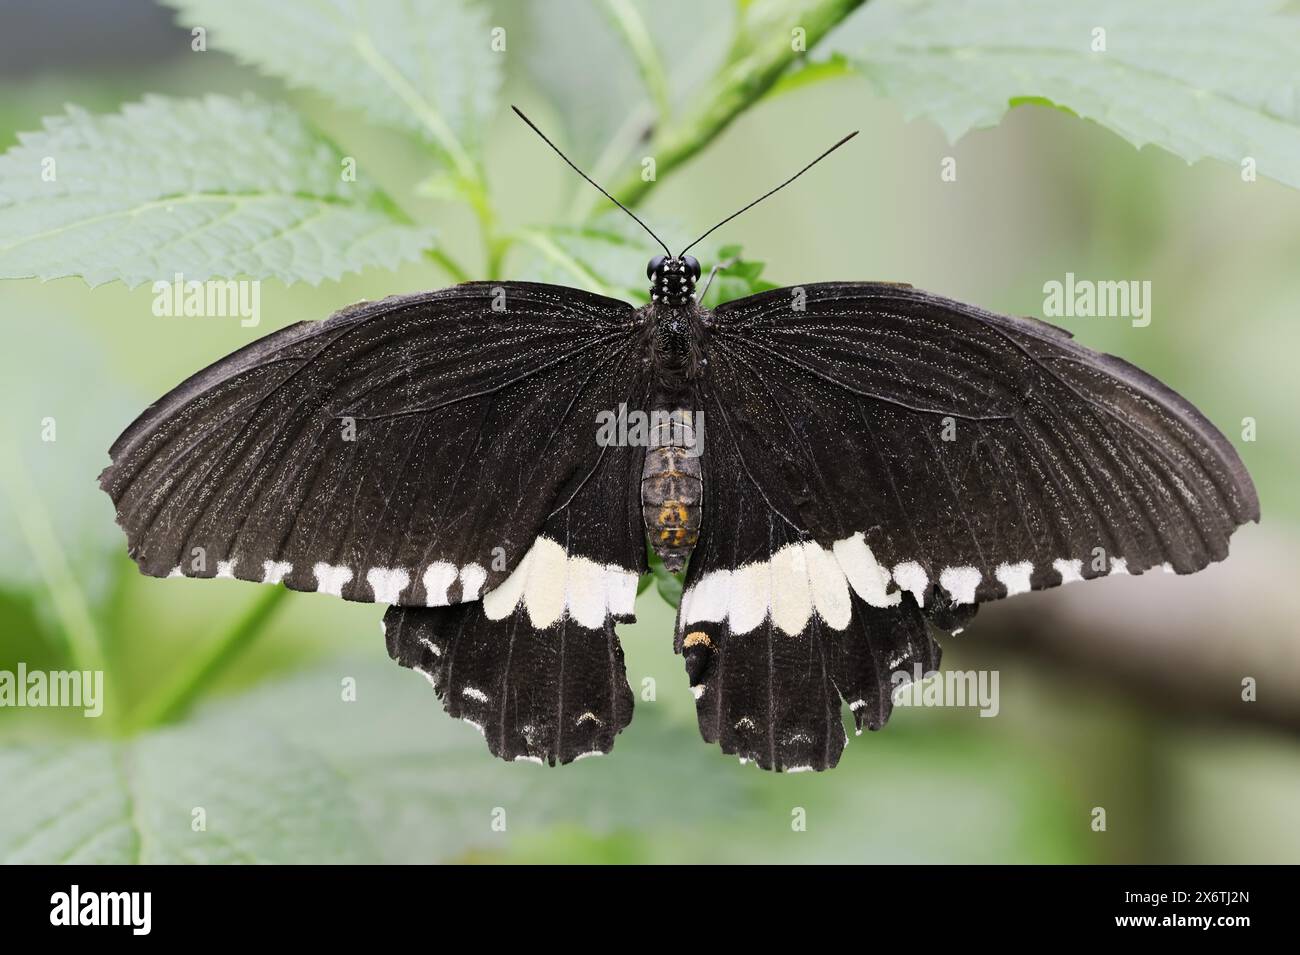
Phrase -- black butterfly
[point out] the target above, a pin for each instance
(847, 466)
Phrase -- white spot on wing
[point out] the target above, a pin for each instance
(960, 582)
(544, 590)
(1070, 570)
(620, 590)
(912, 577)
(830, 588)
(1118, 565)
(550, 583)
(274, 571)
(1015, 577)
(472, 577)
(501, 601)
(474, 693)
(387, 583)
(751, 591)
(865, 575)
(709, 600)
(791, 595)
(437, 578)
(226, 568)
(431, 646)
(584, 592)
(330, 579)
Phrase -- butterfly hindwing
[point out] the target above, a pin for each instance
(536, 664)
(775, 638)
(407, 451)
(549, 696)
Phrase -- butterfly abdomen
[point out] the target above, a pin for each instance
(672, 487)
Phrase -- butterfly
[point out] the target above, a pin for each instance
(845, 470)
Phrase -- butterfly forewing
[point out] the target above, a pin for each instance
(981, 454)
(408, 451)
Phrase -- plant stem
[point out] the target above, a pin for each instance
(420, 107)
(449, 265)
(84, 647)
(627, 20)
(547, 246)
(177, 697)
(752, 72)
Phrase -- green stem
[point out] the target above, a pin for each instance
(420, 107)
(448, 264)
(627, 20)
(85, 651)
(177, 697)
(750, 74)
(548, 247)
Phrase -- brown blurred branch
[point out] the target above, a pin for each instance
(1177, 644)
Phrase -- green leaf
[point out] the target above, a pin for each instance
(668, 584)
(605, 120)
(52, 444)
(57, 532)
(810, 72)
(205, 188)
(738, 279)
(423, 66)
(293, 773)
(609, 256)
(1201, 78)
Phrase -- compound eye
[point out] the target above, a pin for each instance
(656, 266)
(693, 264)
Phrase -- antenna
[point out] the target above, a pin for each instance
(533, 125)
(764, 195)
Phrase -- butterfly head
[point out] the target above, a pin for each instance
(672, 280)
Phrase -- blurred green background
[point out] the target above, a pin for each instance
(1123, 693)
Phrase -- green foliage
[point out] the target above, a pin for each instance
(293, 772)
(608, 256)
(423, 66)
(667, 584)
(208, 188)
(1200, 78)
